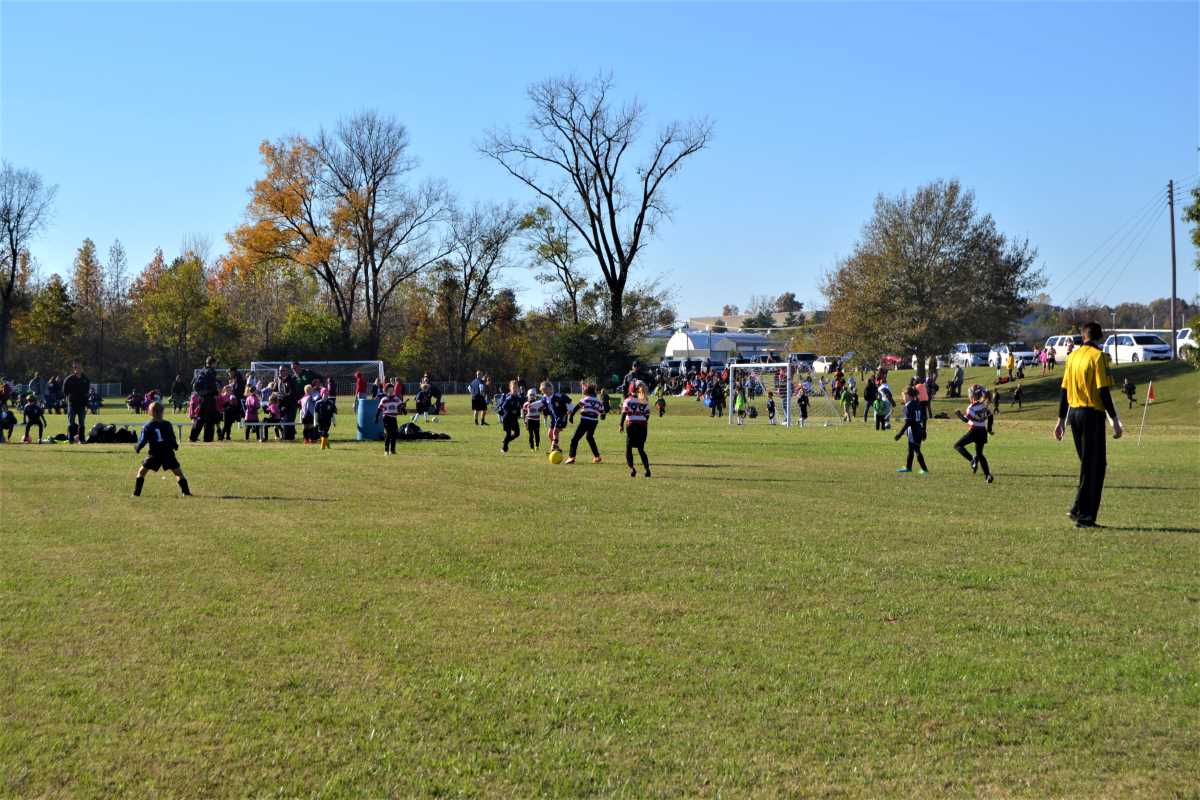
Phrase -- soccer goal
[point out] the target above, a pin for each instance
(340, 372)
(779, 377)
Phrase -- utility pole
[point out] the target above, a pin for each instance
(1171, 206)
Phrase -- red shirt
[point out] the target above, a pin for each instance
(360, 384)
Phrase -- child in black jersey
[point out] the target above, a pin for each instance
(159, 436)
(33, 414)
(914, 426)
(508, 407)
(389, 409)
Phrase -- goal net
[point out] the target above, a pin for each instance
(761, 383)
(340, 373)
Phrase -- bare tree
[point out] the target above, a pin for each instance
(468, 276)
(394, 229)
(25, 204)
(554, 256)
(578, 156)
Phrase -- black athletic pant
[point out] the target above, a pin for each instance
(29, 425)
(635, 438)
(535, 433)
(587, 427)
(978, 436)
(914, 449)
(390, 432)
(288, 414)
(1087, 429)
(258, 432)
(76, 414)
(206, 419)
(512, 429)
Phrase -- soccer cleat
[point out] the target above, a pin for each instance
(974, 465)
(990, 479)
(1071, 515)
(903, 469)
(647, 473)
(570, 460)
(632, 472)
(922, 472)
(597, 460)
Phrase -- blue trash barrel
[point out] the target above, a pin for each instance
(369, 430)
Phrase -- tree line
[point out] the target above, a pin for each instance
(344, 253)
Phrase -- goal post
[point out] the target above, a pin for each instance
(776, 376)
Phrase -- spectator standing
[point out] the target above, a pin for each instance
(477, 389)
(75, 389)
(206, 388)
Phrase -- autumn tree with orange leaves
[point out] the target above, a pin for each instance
(339, 207)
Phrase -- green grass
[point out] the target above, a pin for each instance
(775, 613)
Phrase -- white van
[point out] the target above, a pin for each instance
(1124, 348)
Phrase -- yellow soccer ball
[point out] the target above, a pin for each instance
(556, 457)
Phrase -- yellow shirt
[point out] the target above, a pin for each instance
(1085, 375)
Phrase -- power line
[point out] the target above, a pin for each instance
(1132, 256)
(1160, 195)
(1137, 236)
(1121, 236)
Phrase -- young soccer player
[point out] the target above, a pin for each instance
(914, 426)
(1019, 396)
(660, 401)
(739, 406)
(606, 401)
(532, 412)
(977, 417)
(556, 407)
(324, 410)
(508, 407)
(250, 415)
(159, 436)
(8, 422)
(389, 409)
(308, 403)
(1130, 391)
(423, 398)
(770, 407)
(33, 414)
(883, 412)
(231, 412)
(635, 417)
(802, 403)
(590, 410)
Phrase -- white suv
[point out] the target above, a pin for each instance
(1185, 339)
(1061, 345)
(999, 354)
(1133, 347)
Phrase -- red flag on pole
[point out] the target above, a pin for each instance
(1150, 393)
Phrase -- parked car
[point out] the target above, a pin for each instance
(969, 354)
(1062, 345)
(825, 364)
(1133, 347)
(891, 362)
(998, 355)
(803, 361)
(1185, 339)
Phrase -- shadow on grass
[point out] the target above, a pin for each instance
(1149, 529)
(699, 466)
(275, 497)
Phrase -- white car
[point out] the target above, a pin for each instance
(1185, 339)
(998, 355)
(969, 354)
(1124, 348)
(1061, 345)
(825, 364)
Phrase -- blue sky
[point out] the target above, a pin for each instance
(1065, 119)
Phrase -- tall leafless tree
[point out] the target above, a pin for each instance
(468, 277)
(579, 157)
(25, 205)
(394, 229)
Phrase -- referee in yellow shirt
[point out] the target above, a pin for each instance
(1084, 401)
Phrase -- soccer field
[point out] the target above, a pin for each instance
(775, 613)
